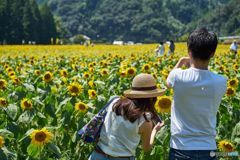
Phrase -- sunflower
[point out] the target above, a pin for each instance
(131, 71)
(1, 141)
(225, 146)
(63, 73)
(146, 67)
(37, 72)
(32, 62)
(15, 80)
(6, 66)
(122, 73)
(48, 76)
(75, 78)
(154, 75)
(74, 89)
(91, 70)
(104, 72)
(81, 107)
(9, 69)
(92, 94)
(235, 67)
(41, 137)
(3, 102)
(74, 67)
(26, 104)
(91, 84)
(155, 65)
(18, 69)
(3, 84)
(86, 75)
(90, 65)
(159, 59)
(230, 91)
(163, 104)
(233, 82)
(222, 68)
(103, 63)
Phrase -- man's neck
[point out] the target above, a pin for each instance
(199, 64)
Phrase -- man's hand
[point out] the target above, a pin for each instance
(184, 61)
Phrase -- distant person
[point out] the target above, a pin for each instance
(171, 47)
(197, 95)
(160, 50)
(234, 47)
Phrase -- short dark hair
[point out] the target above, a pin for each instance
(202, 44)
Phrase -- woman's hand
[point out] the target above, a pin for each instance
(158, 126)
(148, 133)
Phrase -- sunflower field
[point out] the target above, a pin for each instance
(47, 93)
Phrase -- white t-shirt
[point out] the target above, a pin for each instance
(119, 137)
(234, 46)
(197, 96)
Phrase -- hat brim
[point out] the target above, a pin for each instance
(143, 94)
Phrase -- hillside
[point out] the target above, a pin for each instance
(143, 20)
(224, 19)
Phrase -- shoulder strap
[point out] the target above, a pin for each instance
(109, 102)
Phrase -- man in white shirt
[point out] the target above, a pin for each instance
(197, 96)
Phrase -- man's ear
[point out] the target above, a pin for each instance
(190, 53)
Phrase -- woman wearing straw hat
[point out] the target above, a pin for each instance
(129, 119)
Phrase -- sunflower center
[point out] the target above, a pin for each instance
(165, 103)
(232, 83)
(93, 94)
(228, 147)
(81, 107)
(47, 76)
(130, 71)
(27, 105)
(146, 67)
(1, 83)
(230, 91)
(104, 72)
(74, 89)
(3, 102)
(40, 136)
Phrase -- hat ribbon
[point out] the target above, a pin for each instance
(144, 88)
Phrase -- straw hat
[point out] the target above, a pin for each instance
(143, 86)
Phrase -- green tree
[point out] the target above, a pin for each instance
(48, 25)
(2, 20)
(5, 14)
(37, 21)
(28, 22)
(15, 23)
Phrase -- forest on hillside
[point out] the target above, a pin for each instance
(145, 20)
(24, 22)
